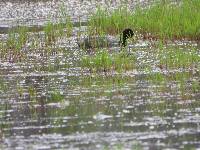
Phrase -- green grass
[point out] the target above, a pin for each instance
(175, 58)
(104, 21)
(32, 92)
(57, 30)
(163, 20)
(103, 61)
(55, 96)
(16, 40)
(50, 34)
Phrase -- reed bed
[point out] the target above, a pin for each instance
(163, 20)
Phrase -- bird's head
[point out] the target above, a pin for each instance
(126, 34)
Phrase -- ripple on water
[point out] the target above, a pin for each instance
(68, 108)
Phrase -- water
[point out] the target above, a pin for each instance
(47, 101)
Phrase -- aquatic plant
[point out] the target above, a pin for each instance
(32, 92)
(15, 42)
(54, 31)
(163, 19)
(105, 81)
(111, 22)
(65, 20)
(3, 86)
(17, 38)
(2, 50)
(103, 61)
(20, 91)
(195, 86)
(55, 96)
(174, 57)
(50, 34)
(120, 146)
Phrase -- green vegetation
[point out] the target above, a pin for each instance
(134, 146)
(55, 96)
(65, 21)
(103, 61)
(184, 81)
(164, 20)
(55, 31)
(32, 92)
(15, 42)
(106, 81)
(19, 38)
(50, 34)
(174, 58)
(115, 22)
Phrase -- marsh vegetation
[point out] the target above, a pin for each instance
(56, 94)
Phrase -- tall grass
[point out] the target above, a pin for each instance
(111, 22)
(57, 30)
(170, 20)
(163, 20)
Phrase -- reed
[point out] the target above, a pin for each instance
(111, 22)
(163, 20)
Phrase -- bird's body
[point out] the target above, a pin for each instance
(97, 42)
(100, 42)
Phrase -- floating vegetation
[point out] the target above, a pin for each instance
(20, 38)
(103, 61)
(17, 38)
(65, 21)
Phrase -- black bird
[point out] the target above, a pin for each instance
(100, 42)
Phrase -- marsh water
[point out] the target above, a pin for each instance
(47, 101)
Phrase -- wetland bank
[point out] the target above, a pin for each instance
(57, 95)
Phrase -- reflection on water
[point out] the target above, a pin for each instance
(96, 112)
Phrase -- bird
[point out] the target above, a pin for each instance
(101, 42)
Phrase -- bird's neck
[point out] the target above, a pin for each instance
(123, 40)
